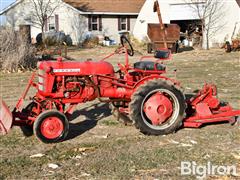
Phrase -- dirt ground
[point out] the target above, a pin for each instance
(99, 147)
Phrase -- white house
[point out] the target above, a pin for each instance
(78, 18)
(180, 12)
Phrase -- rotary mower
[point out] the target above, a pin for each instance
(154, 102)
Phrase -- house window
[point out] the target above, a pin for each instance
(51, 23)
(123, 23)
(95, 23)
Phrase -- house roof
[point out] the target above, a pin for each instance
(238, 1)
(107, 6)
(98, 6)
(10, 6)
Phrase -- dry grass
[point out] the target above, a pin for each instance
(15, 52)
(98, 148)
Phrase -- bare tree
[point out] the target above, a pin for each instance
(41, 11)
(79, 26)
(211, 13)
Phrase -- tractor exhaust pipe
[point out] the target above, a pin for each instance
(6, 118)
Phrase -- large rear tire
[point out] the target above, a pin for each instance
(51, 126)
(157, 107)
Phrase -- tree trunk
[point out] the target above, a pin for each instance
(43, 36)
(207, 39)
(42, 32)
(204, 37)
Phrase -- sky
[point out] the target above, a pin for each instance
(3, 4)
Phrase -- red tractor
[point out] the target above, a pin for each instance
(154, 103)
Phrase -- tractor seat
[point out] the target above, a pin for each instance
(149, 65)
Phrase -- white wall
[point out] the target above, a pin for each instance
(72, 23)
(19, 15)
(147, 16)
(182, 12)
(110, 26)
(231, 18)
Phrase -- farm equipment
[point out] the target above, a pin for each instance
(154, 102)
(162, 35)
(234, 47)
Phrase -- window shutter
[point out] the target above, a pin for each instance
(100, 23)
(89, 23)
(119, 23)
(46, 23)
(128, 23)
(57, 22)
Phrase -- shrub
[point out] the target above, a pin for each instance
(139, 46)
(91, 42)
(15, 51)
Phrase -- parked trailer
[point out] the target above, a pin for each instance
(162, 35)
(156, 35)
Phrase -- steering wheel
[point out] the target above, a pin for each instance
(126, 43)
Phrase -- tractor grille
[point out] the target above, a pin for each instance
(41, 79)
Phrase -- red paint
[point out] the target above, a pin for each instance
(206, 108)
(158, 108)
(51, 127)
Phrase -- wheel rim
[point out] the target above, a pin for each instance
(160, 109)
(52, 127)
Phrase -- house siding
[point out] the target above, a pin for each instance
(70, 21)
(73, 24)
(110, 26)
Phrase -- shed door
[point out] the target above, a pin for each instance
(182, 12)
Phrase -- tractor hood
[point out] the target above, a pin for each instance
(76, 68)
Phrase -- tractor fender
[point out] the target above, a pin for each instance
(148, 78)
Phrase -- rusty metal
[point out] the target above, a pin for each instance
(162, 27)
(162, 35)
(235, 46)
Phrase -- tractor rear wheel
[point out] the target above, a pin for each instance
(157, 107)
(51, 126)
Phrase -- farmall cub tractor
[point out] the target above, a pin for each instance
(154, 102)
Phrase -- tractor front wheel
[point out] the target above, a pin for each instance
(157, 107)
(51, 126)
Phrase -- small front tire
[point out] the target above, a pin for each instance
(51, 126)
